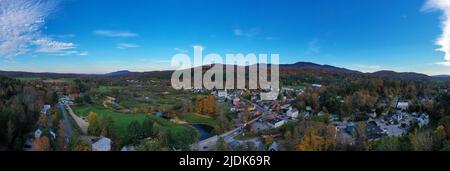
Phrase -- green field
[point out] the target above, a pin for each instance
(198, 119)
(122, 120)
(107, 89)
(27, 78)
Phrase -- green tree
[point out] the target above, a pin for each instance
(87, 99)
(388, 144)
(107, 128)
(440, 137)
(10, 132)
(134, 133)
(150, 144)
(361, 138)
(421, 140)
(94, 125)
(147, 128)
(182, 140)
(77, 144)
(445, 146)
(222, 145)
(56, 117)
(54, 98)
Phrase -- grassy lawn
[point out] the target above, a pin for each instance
(122, 120)
(59, 80)
(200, 119)
(243, 138)
(27, 78)
(157, 100)
(108, 89)
(132, 103)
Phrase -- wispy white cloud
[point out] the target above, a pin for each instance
(127, 46)
(21, 22)
(444, 40)
(63, 36)
(45, 45)
(246, 33)
(445, 63)
(115, 33)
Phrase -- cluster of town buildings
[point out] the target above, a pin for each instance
(280, 111)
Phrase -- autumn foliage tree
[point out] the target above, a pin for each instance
(206, 105)
(361, 138)
(77, 144)
(43, 121)
(313, 136)
(61, 138)
(311, 141)
(41, 144)
(93, 128)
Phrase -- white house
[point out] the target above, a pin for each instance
(402, 105)
(104, 144)
(292, 112)
(222, 93)
(277, 122)
(372, 114)
(317, 85)
(46, 108)
(269, 96)
(37, 133)
(308, 108)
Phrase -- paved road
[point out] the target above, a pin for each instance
(66, 120)
(83, 125)
(210, 143)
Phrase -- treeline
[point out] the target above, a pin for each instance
(319, 136)
(20, 104)
(348, 98)
(354, 97)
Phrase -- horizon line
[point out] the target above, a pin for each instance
(104, 73)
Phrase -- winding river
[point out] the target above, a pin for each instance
(206, 131)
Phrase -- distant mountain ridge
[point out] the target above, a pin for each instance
(317, 66)
(118, 73)
(401, 75)
(296, 67)
(442, 76)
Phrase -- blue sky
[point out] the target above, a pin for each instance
(97, 36)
